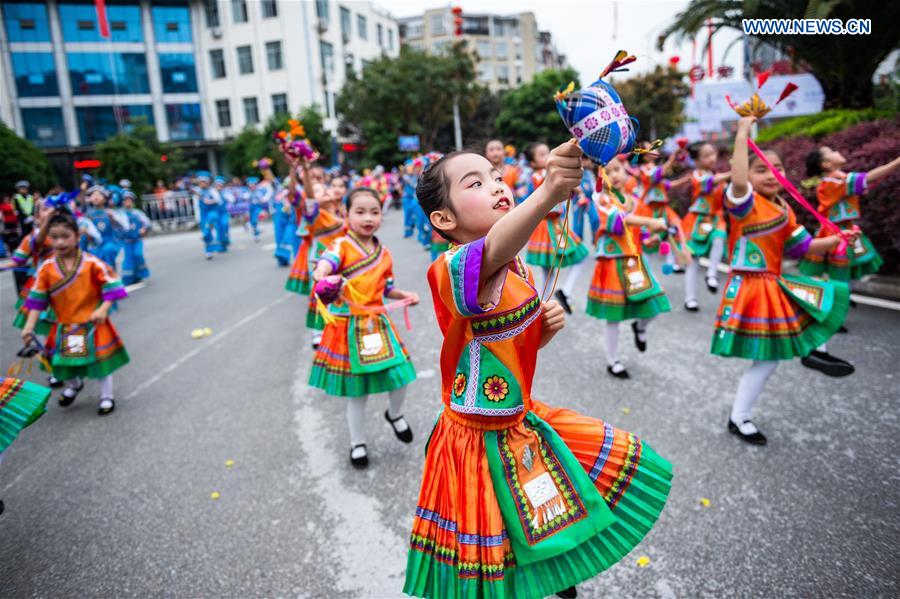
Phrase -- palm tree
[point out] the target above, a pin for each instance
(843, 64)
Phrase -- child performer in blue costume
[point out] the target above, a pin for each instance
(134, 267)
(107, 222)
(258, 198)
(409, 179)
(212, 213)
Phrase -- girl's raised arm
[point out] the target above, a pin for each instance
(740, 166)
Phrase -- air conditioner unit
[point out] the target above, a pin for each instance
(216, 33)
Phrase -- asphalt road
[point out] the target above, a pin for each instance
(121, 506)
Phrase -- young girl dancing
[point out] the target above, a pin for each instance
(765, 316)
(360, 352)
(623, 287)
(518, 499)
(838, 195)
(704, 224)
(548, 247)
(81, 289)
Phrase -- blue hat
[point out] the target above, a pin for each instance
(252, 180)
(98, 188)
(203, 176)
(220, 179)
(124, 183)
(22, 183)
(128, 194)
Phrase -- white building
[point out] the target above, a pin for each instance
(198, 70)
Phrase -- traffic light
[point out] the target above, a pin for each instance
(457, 21)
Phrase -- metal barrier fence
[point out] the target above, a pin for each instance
(178, 210)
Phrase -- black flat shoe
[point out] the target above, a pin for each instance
(842, 329)
(827, 364)
(641, 345)
(405, 436)
(104, 411)
(1, 507)
(65, 401)
(54, 382)
(712, 284)
(756, 438)
(691, 307)
(621, 374)
(563, 300)
(569, 593)
(360, 461)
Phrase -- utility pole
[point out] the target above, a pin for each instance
(457, 128)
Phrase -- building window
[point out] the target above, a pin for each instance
(518, 51)
(349, 64)
(178, 73)
(322, 10)
(212, 13)
(184, 121)
(239, 11)
(79, 23)
(379, 34)
(223, 112)
(412, 29)
(362, 27)
(251, 111)
(439, 46)
(502, 73)
(390, 39)
(273, 56)
(437, 24)
(245, 60)
(96, 123)
(26, 22)
(501, 50)
(518, 74)
(327, 52)
(328, 96)
(483, 47)
(108, 73)
(346, 24)
(269, 8)
(217, 63)
(279, 104)
(485, 72)
(35, 74)
(171, 24)
(44, 127)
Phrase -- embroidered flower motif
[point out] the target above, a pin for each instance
(496, 388)
(615, 111)
(591, 123)
(605, 115)
(459, 385)
(578, 132)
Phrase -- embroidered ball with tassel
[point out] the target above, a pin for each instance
(596, 116)
(329, 288)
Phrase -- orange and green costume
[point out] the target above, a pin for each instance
(518, 499)
(29, 255)
(623, 286)
(360, 352)
(838, 196)
(21, 403)
(705, 219)
(316, 226)
(75, 346)
(764, 314)
(548, 246)
(325, 230)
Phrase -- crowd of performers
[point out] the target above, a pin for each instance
(518, 498)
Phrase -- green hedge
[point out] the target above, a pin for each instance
(821, 124)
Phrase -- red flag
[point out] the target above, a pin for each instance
(102, 21)
(761, 78)
(788, 90)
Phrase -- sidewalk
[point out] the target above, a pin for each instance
(881, 286)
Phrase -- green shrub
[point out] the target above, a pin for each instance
(821, 124)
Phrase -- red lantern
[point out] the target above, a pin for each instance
(673, 61)
(457, 20)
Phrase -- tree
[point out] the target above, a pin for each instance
(251, 144)
(128, 156)
(20, 159)
(408, 95)
(529, 112)
(656, 100)
(173, 163)
(843, 64)
(478, 114)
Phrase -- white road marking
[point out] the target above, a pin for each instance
(859, 299)
(373, 556)
(203, 345)
(135, 286)
(267, 247)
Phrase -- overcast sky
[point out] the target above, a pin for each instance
(590, 33)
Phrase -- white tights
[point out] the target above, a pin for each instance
(356, 413)
(693, 269)
(106, 385)
(750, 388)
(611, 338)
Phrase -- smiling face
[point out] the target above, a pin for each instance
(478, 197)
(706, 157)
(762, 179)
(364, 216)
(337, 189)
(616, 172)
(539, 158)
